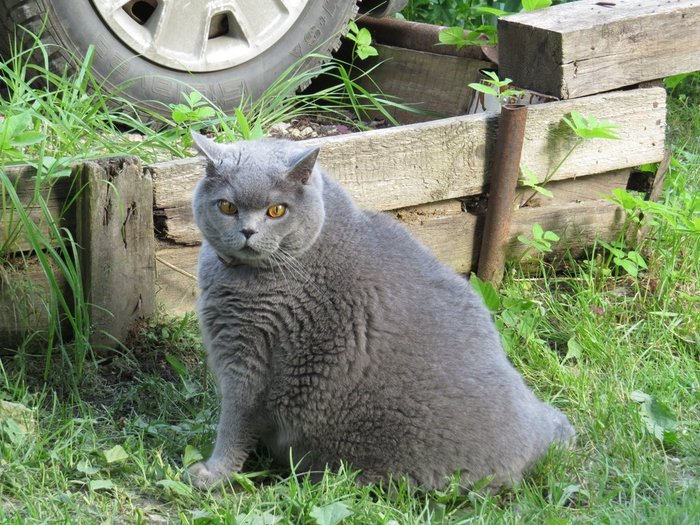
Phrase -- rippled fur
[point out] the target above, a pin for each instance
(337, 334)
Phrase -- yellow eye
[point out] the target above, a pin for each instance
(227, 208)
(276, 211)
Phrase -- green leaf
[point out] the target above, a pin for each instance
(363, 52)
(266, 518)
(86, 468)
(574, 350)
(257, 132)
(626, 200)
(177, 365)
(589, 127)
(176, 487)
(28, 138)
(204, 112)
(191, 455)
(242, 122)
(194, 98)
(524, 240)
(491, 11)
(673, 81)
(529, 176)
(486, 291)
(203, 517)
(11, 432)
(330, 514)
(648, 168)
(244, 481)
(101, 484)
(452, 36)
(534, 5)
(537, 231)
(627, 265)
(543, 191)
(612, 249)
(364, 37)
(484, 89)
(116, 454)
(658, 419)
(180, 116)
(637, 259)
(551, 236)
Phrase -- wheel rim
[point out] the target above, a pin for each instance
(199, 35)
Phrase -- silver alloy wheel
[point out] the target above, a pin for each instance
(199, 35)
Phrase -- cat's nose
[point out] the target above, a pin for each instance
(248, 233)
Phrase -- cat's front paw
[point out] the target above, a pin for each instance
(204, 476)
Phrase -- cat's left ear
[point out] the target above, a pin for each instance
(304, 166)
(207, 147)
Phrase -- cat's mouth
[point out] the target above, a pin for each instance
(249, 250)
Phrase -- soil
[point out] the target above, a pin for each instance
(309, 127)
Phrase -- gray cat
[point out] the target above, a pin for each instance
(331, 331)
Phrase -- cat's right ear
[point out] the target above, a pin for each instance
(304, 166)
(212, 151)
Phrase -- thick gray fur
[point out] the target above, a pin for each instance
(333, 332)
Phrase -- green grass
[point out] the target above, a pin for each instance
(589, 340)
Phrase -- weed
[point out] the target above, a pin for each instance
(362, 42)
(496, 87)
(541, 240)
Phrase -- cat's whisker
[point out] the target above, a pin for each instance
(294, 265)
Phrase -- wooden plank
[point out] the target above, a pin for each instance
(581, 189)
(416, 35)
(445, 229)
(24, 292)
(393, 168)
(115, 232)
(426, 81)
(54, 193)
(176, 289)
(587, 47)
(173, 186)
(578, 224)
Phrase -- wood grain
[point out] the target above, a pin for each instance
(427, 162)
(432, 83)
(28, 188)
(585, 47)
(114, 230)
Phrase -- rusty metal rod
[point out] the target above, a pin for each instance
(503, 181)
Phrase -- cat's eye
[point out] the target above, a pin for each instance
(276, 211)
(226, 207)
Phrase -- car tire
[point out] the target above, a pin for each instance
(71, 26)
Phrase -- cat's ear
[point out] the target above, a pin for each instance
(303, 166)
(207, 147)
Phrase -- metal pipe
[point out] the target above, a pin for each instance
(503, 181)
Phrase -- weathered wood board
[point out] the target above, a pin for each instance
(402, 73)
(576, 49)
(24, 300)
(114, 229)
(393, 168)
(54, 193)
(576, 212)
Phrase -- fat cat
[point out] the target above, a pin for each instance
(332, 331)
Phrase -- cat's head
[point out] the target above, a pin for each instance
(259, 198)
